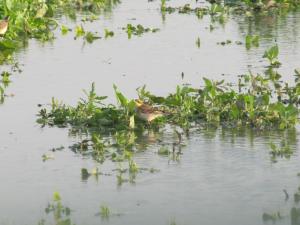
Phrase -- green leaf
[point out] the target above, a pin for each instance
(56, 196)
(79, 31)
(64, 30)
(120, 97)
(131, 122)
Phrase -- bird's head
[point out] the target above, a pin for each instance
(138, 102)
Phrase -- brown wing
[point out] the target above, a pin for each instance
(3, 24)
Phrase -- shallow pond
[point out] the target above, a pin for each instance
(223, 177)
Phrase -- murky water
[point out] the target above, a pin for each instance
(222, 178)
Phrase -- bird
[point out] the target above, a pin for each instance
(147, 112)
(3, 25)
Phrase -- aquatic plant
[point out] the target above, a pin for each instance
(198, 42)
(163, 5)
(35, 19)
(271, 217)
(272, 55)
(255, 105)
(104, 212)
(90, 37)
(108, 33)
(215, 9)
(252, 40)
(138, 30)
(223, 43)
(65, 30)
(46, 157)
(61, 214)
(258, 102)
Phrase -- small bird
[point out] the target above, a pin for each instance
(3, 25)
(147, 112)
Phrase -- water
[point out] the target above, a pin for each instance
(222, 178)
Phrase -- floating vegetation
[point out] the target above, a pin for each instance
(260, 102)
(60, 213)
(57, 149)
(35, 19)
(219, 11)
(252, 40)
(273, 217)
(104, 212)
(223, 43)
(88, 36)
(138, 30)
(108, 33)
(272, 55)
(46, 157)
(85, 173)
(198, 42)
(65, 30)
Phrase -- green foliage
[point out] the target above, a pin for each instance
(138, 30)
(163, 5)
(61, 214)
(37, 19)
(79, 31)
(261, 102)
(104, 212)
(108, 33)
(254, 105)
(272, 55)
(91, 37)
(198, 42)
(215, 9)
(252, 41)
(271, 217)
(46, 157)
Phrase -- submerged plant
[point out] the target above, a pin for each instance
(281, 151)
(272, 217)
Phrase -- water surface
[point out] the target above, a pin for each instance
(223, 177)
